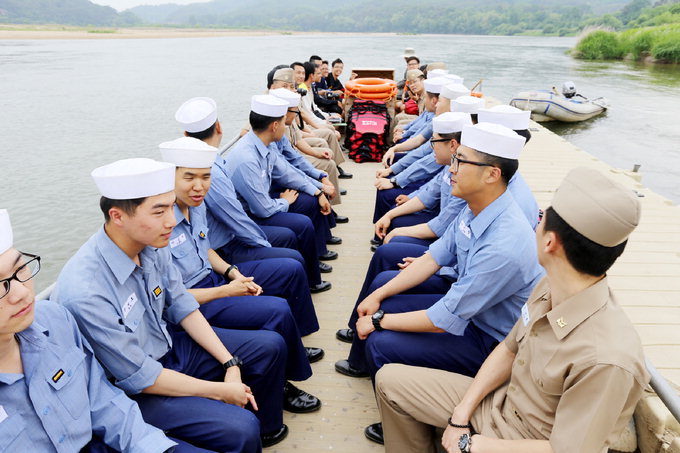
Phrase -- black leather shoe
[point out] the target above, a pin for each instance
(342, 174)
(325, 268)
(374, 432)
(341, 219)
(343, 367)
(298, 401)
(314, 354)
(329, 256)
(374, 248)
(274, 438)
(345, 335)
(334, 240)
(321, 287)
(375, 242)
(343, 191)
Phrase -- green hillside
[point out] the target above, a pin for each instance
(68, 12)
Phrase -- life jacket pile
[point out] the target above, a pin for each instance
(368, 127)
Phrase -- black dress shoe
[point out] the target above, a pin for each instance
(374, 248)
(343, 191)
(314, 354)
(375, 241)
(343, 367)
(345, 335)
(341, 219)
(329, 256)
(334, 240)
(325, 268)
(321, 287)
(274, 438)
(298, 401)
(342, 174)
(374, 432)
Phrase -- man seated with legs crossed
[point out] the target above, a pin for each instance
(129, 302)
(568, 376)
(490, 245)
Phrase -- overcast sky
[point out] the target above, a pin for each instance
(121, 5)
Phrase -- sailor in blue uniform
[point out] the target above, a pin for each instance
(229, 299)
(54, 395)
(255, 167)
(124, 291)
(236, 237)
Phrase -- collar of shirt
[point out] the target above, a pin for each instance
(179, 216)
(120, 264)
(259, 145)
(481, 222)
(572, 312)
(34, 337)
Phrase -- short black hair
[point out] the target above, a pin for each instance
(413, 57)
(260, 123)
(524, 133)
(583, 254)
(270, 74)
(474, 117)
(452, 136)
(434, 95)
(204, 134)
(508, 167)
(337, 61)
(314, 57)
(324, 61)
(127, 206)
(309, 69)
(296, 63)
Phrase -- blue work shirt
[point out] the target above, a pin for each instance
(122, 308)
(411, 157)
(494, 255)
(424, 168)
(189, 245)
(299, 163)
(253, 167)
(418, 125)
(226, 216)
(63, 397)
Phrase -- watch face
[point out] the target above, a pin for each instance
(463, 442)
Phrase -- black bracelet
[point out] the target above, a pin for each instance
(468, 426)
(229, 269)
(318, 195)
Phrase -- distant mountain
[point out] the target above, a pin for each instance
(71, 12)
(557, 17)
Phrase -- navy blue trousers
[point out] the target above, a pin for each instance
(462, 354)
(97, 445)
(212, 424)
(416, 218)
(284, 277)
(254, 313)
(411, 240)
(435, 285)
(384, 199)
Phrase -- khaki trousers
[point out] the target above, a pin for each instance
(413, 401)
(328, 167)
(320, 141)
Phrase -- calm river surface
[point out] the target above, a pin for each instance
(68, 106)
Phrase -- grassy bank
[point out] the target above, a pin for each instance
(661, 44)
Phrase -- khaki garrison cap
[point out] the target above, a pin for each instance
(436, 65)
(413, 74)
(284, 75)
(600, 209)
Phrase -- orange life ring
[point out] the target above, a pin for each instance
(371, 88)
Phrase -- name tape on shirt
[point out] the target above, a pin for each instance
(179, 240)
(3, 414)
(464, 229)
(525, 314)
(129, 303)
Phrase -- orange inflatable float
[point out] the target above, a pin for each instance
(371, 88)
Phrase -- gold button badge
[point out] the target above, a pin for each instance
(561, 322)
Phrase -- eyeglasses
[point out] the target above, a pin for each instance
(456, 161)
(436, 140)
(23, 274)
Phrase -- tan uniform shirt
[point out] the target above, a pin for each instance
(578, 373)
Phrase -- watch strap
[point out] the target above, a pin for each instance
(234, 361)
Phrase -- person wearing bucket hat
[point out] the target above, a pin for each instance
(541, 389)
(54, 394)
(129, 301)
(494, 275)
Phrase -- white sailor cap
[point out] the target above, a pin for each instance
(188, 152)
(197, 114)
(435, 84)
(291, 97)
(128, 179)
(467, 104)
(450, 122)
(6, 237)
(436, 73)
(268, 105)
(506, 115)
(453, 78)
(454, 90)
(493, 139)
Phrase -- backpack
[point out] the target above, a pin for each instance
(367, 130)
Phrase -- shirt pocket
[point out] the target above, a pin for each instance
(134, 317)
(13, 435)
(68, 382)
(181, 250)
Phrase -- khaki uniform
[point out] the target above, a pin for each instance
(577, 376)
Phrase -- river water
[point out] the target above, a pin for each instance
(68, 106)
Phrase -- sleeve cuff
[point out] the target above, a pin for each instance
(440, 253)
(181, 308)
(144, 377)
(154, 442)
(444, 319)
(436, 226)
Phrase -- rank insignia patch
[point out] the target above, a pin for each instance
(57, 375)
(201, 235)
(157, 291)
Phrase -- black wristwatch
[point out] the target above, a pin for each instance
(234, 361)
(394, 182)
(465, 443)
(318, 195)
(376, 318)
(229, 269)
